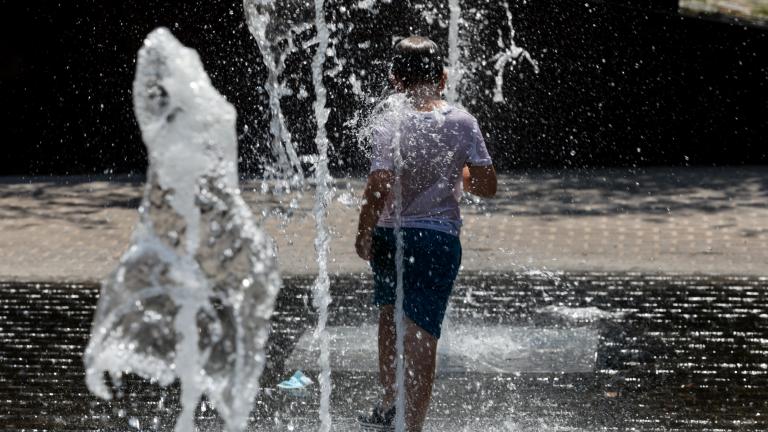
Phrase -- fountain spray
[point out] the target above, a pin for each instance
(274, 36)
(397, 189)
(323, 195)
(193, 295)
(511, 53)
(455, 71)
(273, 27)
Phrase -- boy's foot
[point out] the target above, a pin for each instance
(379, 420)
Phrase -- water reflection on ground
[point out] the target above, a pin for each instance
(653, 353)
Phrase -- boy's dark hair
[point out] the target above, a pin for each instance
(417, 60)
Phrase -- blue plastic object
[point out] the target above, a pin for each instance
(298, 381)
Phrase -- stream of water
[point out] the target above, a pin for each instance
(511, 53)
(274, 32)
(455, 70)
(323, 196)
(397, 190)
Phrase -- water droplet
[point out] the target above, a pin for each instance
(134, 423)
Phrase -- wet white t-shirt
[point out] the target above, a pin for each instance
(435, 146)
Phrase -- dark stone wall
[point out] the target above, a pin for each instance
(621, 83)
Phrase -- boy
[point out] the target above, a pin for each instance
(442, 150)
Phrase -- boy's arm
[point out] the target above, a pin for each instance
(374, 198)
(480, 180)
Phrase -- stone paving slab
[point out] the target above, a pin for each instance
(659, 220)
(673, 354)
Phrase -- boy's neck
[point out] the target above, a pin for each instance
(430, 104)
(425, 98)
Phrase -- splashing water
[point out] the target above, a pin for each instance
(274, 29)
(455, 71)
(323, 197)
(390, 113)
(511, 53)
(192, 297)
(397, 190)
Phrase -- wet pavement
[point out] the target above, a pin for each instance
(656, 353)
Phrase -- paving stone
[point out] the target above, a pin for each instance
(685, 220)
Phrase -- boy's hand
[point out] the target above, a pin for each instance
(480, 180)
(363, 245)
(374, 198)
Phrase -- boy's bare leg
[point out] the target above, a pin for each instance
(387, 353)
(420, 353)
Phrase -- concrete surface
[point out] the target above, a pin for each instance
(659, 220)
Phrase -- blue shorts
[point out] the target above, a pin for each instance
(430, 266)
